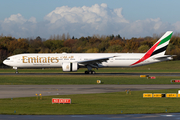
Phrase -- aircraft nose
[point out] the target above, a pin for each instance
(7, 62)
(4, 62)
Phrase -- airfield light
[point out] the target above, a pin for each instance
(36, 96)
(40, 96)
(99, 81)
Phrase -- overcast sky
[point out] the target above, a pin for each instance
(129, 18)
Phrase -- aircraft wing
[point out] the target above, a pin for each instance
(95, 61)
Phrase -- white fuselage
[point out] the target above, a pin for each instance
(73, 61)
(56, 59)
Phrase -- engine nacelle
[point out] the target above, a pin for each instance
(69, 67)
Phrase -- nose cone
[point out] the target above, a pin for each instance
(4, 62)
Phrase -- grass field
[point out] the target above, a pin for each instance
(106, 103)
(168, 66)
(84, 79)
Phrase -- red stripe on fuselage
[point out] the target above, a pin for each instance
(147, 55)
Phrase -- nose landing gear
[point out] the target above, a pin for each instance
(16, 70)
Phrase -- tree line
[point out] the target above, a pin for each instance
(91, 44)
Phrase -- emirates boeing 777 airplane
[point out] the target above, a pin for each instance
(73, 61)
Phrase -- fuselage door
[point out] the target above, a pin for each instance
(18, 59)
(80, 58)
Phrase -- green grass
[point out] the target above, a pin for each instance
(104, 103)
(168, 66)
(82, 79)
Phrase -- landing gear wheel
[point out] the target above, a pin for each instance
(90, 72)
(93, 72)
(16, 72)
(86, 72)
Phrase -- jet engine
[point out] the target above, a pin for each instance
(69, 67)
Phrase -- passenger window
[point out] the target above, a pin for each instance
(8, 59)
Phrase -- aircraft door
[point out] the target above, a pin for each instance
(80, 58)
(17, 59)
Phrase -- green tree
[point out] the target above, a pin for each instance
(63, 49)
(170, 47)
(114, 49)
(92, 50)
(19, 51)
(143, 48)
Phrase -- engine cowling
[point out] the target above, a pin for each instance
(69, 67)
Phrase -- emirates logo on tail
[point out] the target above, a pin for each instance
(158, 48)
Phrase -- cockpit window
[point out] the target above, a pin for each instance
(8, 59)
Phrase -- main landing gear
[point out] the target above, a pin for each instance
(90, 72)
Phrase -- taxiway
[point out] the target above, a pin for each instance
(14, 91)
(99, 74)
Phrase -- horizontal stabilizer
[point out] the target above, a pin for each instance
(169, 57)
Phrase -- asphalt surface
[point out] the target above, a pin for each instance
(164, 116)
(14, 91)
(104, 74)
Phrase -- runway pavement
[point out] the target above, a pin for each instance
(100, 74)
(160, 116)
(14, 91)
